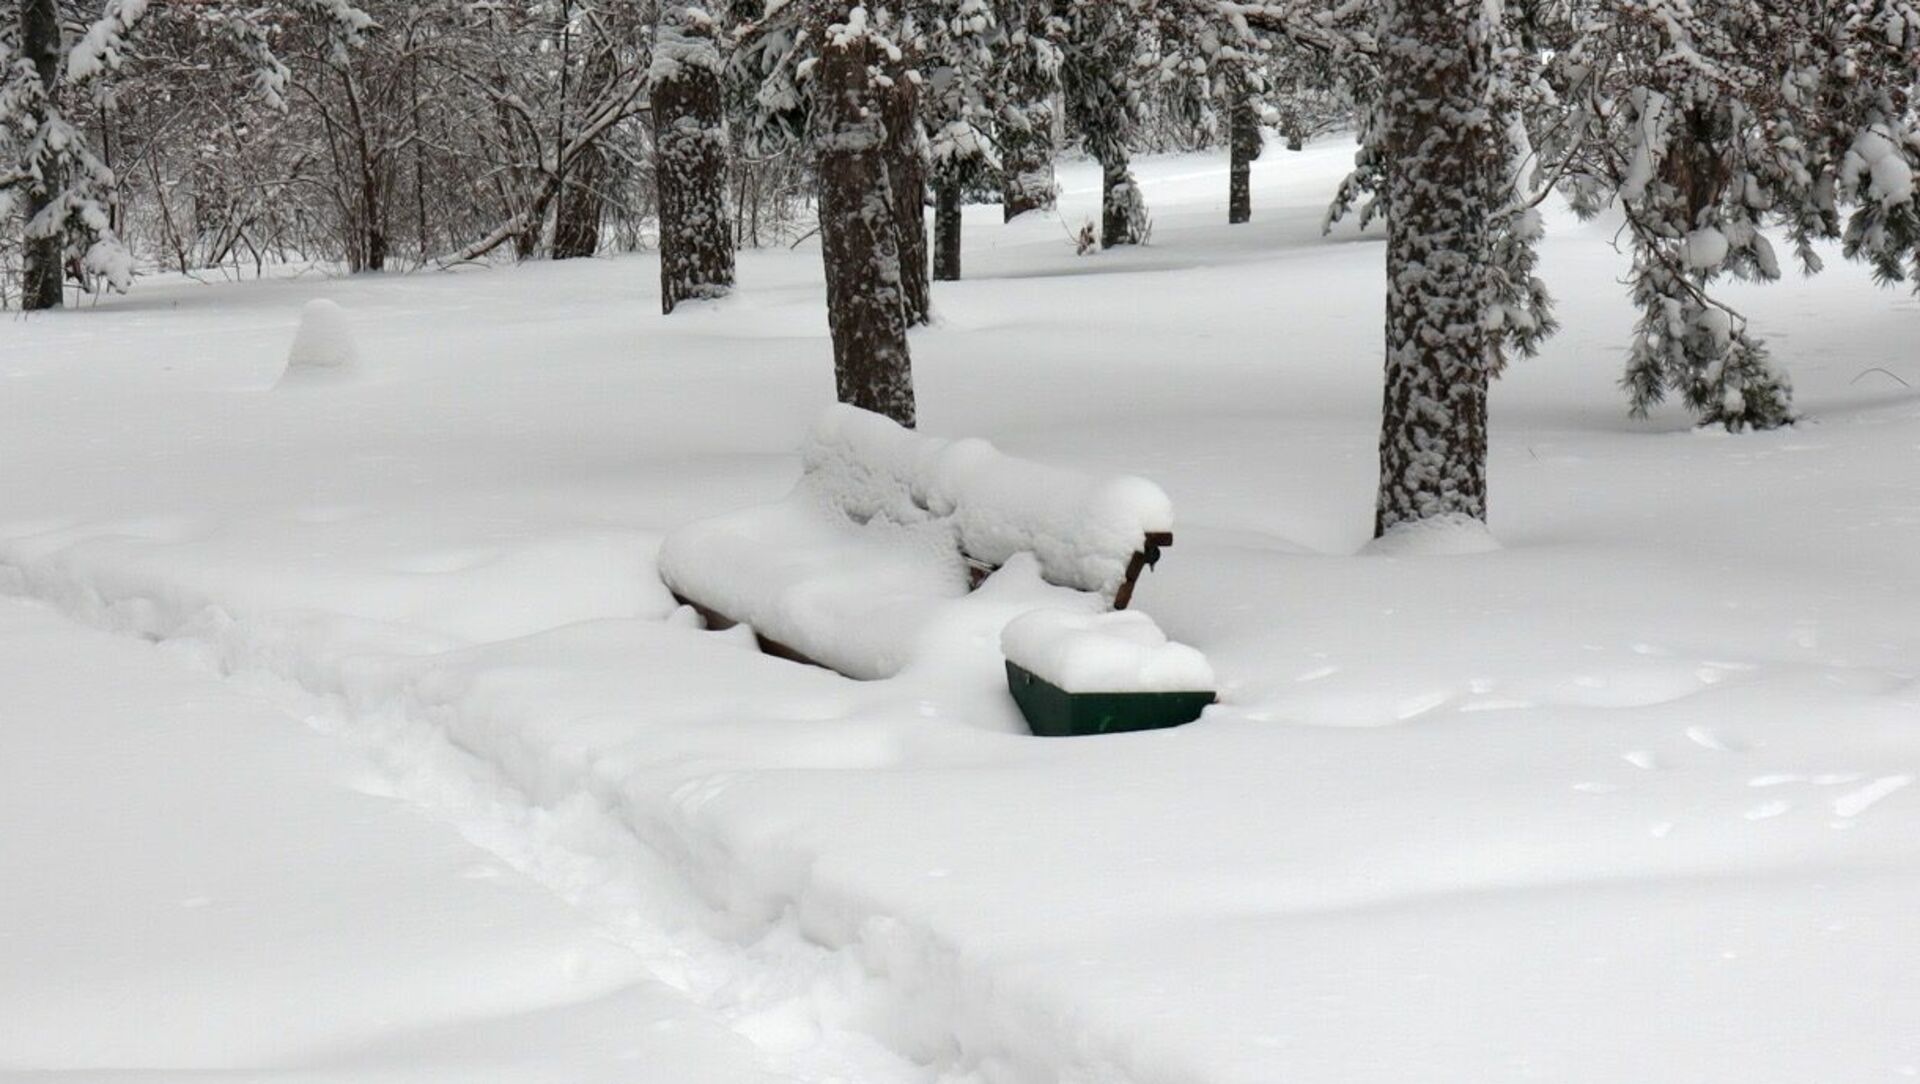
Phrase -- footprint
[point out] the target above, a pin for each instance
(1641, 759)
(1768, 810)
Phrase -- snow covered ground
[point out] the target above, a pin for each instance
(196, 882)
(1631, 798)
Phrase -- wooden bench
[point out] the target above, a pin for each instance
(887, 527)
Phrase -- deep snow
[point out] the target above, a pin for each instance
(196, 883)
(1628, 797)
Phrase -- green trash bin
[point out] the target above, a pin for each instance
(1053, 712)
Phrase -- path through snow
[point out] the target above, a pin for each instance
(198, 886)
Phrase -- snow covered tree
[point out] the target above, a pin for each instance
(690, 156)
(1444, 174)
(1211, 66)
(43, 263)
(1103, 56)
(71, 193)
(1027, 76)
(1704, 124)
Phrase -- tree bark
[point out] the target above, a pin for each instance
(907, 171)
(1244, 140)
(43, 254)
(946, 231)
(860, 239)
(576, 228)
(376, 248)
(1122, 214)
(1443, 168)
(690, 157)
(576, 224)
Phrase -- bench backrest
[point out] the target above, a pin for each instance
(1088, 533)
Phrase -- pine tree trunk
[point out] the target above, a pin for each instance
(1442, 176)
(1121, 211)
(690, 158)
(860, 240)
(946, 231)
(1244, 139)
(907, 170)
(43, 255)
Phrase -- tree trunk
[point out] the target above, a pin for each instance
(576, 228)
(526, 242)
(860, 240)
(376, 248)
(946, 231)
(1443, 163)
(43, 254)
(1122, 212)
(907, 170)
(690, 158)
(1244, 139)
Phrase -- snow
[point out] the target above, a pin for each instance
(1476, 819)
(1888, 175)
(859, 566)
(1123, 652)
(195, 882)
(1083, 529)
(1450, 535)
(324, 345)
(98, 50)
(1705, 249)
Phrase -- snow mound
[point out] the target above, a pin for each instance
(1119, 652)
(1451, 535)
(860, 561)
(1082, 529)
(324, 346)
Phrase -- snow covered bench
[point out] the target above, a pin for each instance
(887, 526)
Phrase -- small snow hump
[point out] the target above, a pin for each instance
(324, 344)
